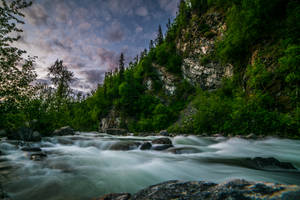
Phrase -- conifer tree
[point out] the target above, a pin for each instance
(160, 37)
(121, 66)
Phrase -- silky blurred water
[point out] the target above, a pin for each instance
(82, 167)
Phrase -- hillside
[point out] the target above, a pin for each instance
(223, 66)
(235, 64)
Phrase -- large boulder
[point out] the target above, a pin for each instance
(196, 190)
(25, 134)
(146, 146)
(162, 141)
(66, 130)
(267, 163)
(124, 146)
(116, 131)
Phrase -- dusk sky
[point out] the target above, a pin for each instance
(89, 35)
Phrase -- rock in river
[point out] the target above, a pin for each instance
(161, 147)
(124, 146)
(162, 141)
(183, 150)
(267, 163)
(201, 190)
(146, 146)
(67, 130)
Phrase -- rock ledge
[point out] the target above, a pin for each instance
(201, 190)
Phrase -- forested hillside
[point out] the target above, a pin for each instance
(223, 66)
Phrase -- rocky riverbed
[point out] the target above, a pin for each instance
(90, 165)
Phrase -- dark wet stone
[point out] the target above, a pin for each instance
(121, 196)
(164, 133)
(162, 141)
(161, 147)
(67, 130)
(38, 156)
(124, 146)
(267, 163)
(234, 190)
(31, 149)
(251, 136)
(146, 146)
(183, 150)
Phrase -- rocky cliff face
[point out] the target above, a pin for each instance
(198, 44)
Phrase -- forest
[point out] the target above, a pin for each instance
(261, 97)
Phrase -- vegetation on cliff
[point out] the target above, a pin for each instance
(260, 41)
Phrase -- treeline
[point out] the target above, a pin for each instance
(262, 97)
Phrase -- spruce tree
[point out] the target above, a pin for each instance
(121, 67)
(160, 37)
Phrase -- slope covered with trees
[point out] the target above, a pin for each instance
(260, 40)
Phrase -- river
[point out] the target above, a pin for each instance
(83, 167)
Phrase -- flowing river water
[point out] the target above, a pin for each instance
(83, 167)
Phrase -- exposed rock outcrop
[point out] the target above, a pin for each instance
(195, 190)
(199, 67)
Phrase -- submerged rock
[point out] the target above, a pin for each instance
(67, 130)
(146, 146)
(124, 146)
(201, 190)
(267, 163)
(31, 149)
(161, 147)
(162, 141)
(38, 156)
(183, 150)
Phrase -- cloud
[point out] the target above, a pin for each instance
(142, 11)
(139, 29)
(109, 58)
(61, 45)
(37, 15)
(114, 32)
(94, 76)
(170, 6)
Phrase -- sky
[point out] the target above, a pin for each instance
(89, 35)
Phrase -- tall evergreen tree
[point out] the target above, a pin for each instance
(121, 66)
(151, 45)
(160, 36)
